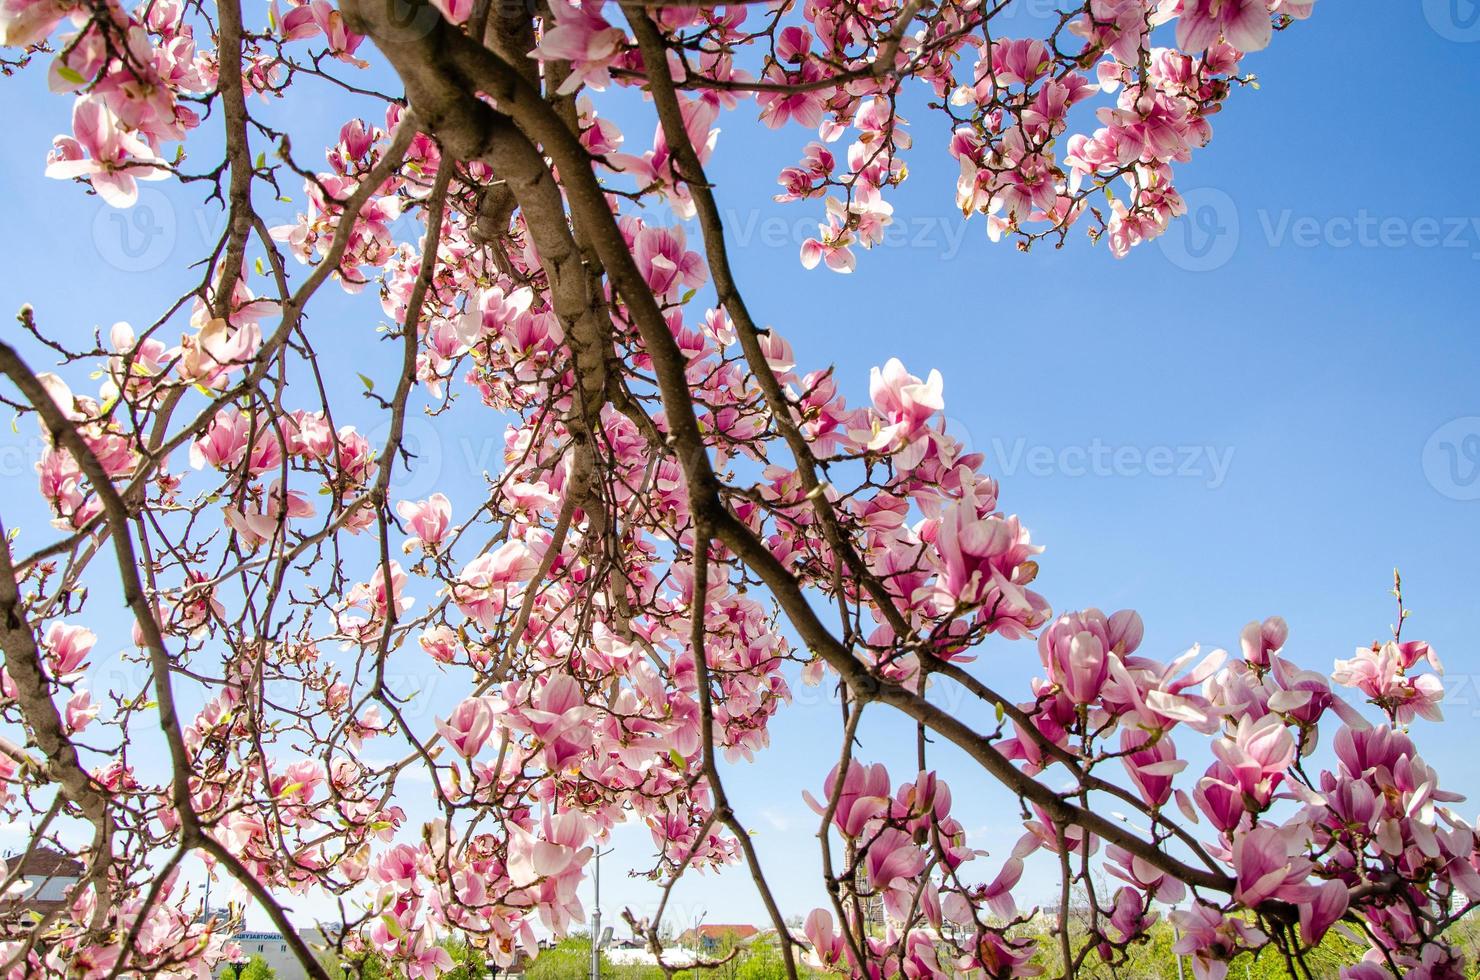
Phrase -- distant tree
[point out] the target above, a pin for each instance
(471, 962)
(569, 960)
(256, 969)
(762, 962)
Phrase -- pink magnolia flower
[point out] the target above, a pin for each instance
(1380, 673)
(456, 11)
(1212, 939)
(1130, 915)
(1321, 908)
(225, 441)
(80, 712)
(1370, 969)
(342, 42)
(1151, 764)
(308, 434)
(66, 647)
(586, 39)
(398, 867)
(442, 644)
(1077, 648)
(217, 351)
(375, 598)
(864, 795)
(1144, 875)
(494, 312)
(488, 581)
(266, 522)
(804, 104)
(1264, 866)
(1245, 23)
(552, 858)
(114, 158)
(1257, 753)
(26, 22)
(1261, 640)
(665, 261)
(427, 520)
(893, 864)
(656, 167)
(904, 404)
(832, 246)
(828, 945)
(468, 727)
(557, 715)
(429, 959)
(981, 558)
(1019, 62)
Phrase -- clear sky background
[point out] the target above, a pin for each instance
(1304, 347)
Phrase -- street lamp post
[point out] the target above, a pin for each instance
(1177, 937)
(596, 924)
(597, 940)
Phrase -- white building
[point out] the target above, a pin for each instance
(45, 878)
(274, 949)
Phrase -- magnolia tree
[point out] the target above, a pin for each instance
(686, 524)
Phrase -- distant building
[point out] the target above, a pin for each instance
(869, 899)
(46, 876)
(274, 949)
(712, 937)
(631, 956)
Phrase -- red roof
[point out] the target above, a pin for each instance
(46, 863)
(718, 931)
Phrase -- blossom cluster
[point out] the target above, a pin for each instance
(626, 604)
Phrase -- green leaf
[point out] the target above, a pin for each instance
(369, 385)
(677, 758)
(71, 74)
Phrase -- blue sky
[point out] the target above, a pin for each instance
(1303, 349)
